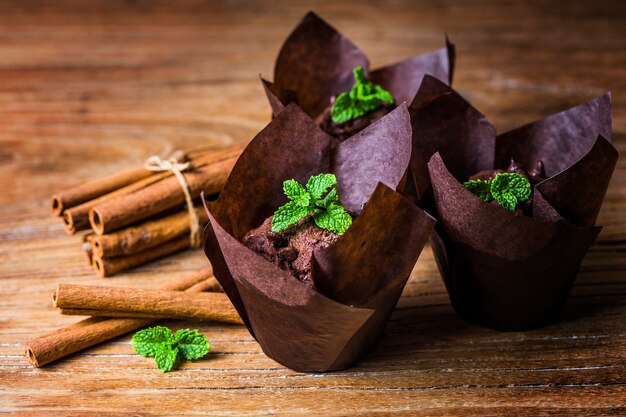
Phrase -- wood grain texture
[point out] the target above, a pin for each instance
(87, 89)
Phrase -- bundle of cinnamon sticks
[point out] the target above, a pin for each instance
(139, 215)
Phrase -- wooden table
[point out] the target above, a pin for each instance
(86, 90)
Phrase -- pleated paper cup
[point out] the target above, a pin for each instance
(316, 61)
(358, 279)
(505, 270)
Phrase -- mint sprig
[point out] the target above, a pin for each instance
(362, 99)
(508, 189)
(168, 349)
(310, 200)
(482, 189)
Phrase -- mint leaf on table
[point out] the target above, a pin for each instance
(166, 358)
(363, 98)
(326, 209)
(170, 350)
(148, 341)
(192, 344)
(508, 189)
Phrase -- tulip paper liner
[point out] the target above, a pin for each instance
(504, 270)
(358, 279)
(316, 61)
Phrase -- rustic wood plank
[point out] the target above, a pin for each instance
(88, 89)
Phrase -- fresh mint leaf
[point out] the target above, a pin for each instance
(166, 358)
(148, 341)
(326, 210)
(344, 109)
(383, 94)
(296, 193)
(508, 189)
(360, 79)
(506, 200)
(318, 184)
(287, 215)
(335, 218)
(168, 349)
(331, 197)
(482, 189)
(191, 344)
(363, 98)
(516, 184)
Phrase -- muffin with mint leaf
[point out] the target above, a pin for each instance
(354, 110)
(516, 212)
(313, 219)
(510, 188)
(329, 78)
(302, 241)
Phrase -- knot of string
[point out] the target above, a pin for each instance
(177, 166)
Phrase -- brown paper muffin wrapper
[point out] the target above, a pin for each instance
(358, 279)
(501, 269)
(316, 61)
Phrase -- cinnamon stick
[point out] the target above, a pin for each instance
(88, 253)
(134, 302)
(89, 332)
(76, 217)
(94, 189)
(110, 266)
(87, 247)
(111, 314)
(114, 214)
(210, 284)
(135, 239)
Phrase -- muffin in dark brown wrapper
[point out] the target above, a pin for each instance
(316, 64)
(356, 281)
(504, 269)
(291, 249)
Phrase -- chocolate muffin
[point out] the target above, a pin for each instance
(343, 131)
(291, 249)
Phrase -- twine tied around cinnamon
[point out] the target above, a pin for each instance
(177, 164)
